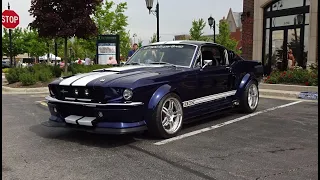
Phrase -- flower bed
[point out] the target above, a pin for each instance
(294, 76)
(42, 74)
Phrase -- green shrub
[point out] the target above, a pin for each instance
(13, 74)
(294, 76)
(28, 79)
(5, 70)
(44, 76)
(79, 68)
(56, 71)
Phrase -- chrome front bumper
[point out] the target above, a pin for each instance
(54, 100)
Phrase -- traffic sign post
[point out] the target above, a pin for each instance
(10, 20)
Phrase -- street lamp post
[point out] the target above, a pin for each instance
(149, 4)
(212, 24)
(134, 38)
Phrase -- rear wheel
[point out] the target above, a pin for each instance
(166, 121)
(250, 98)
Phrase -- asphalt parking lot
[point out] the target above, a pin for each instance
(280, 141)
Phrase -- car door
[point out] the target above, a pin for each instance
(214, 81)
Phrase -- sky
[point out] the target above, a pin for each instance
(176, 16)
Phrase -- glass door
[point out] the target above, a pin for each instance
(285, 49)
(294, 48)
(277, 50)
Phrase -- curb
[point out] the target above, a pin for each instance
(285, 87)
(279, 93)
(24, 90)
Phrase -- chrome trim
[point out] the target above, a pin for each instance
(51, 99)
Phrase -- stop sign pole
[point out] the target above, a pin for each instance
(10, 41)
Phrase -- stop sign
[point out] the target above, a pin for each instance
(10, 19)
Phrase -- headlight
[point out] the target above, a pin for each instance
(127, 94)
(86, 92)
(76, 92)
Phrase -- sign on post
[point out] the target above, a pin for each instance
(10, 19)
(108, 46)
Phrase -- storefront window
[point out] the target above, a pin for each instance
(266, 52)
(306, 44)
(307, 2)
(285, 21)
(286, 35)
(286, 4)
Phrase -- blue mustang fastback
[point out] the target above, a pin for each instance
(162, 86)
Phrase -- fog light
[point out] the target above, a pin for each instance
(86, 92)
(100, 114)
(127, 94)
(76, 92)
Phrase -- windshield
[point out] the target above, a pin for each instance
(177, 55)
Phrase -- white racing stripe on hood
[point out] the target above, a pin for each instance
(125, 68)
(85, 80)
(68, 81)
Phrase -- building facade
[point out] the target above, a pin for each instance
(275, 28)
(235, 26)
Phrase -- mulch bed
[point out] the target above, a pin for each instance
(19, 85)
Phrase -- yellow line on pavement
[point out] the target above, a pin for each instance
(44, 104)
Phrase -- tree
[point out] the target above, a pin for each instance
(153, 39)
(34, 45)
(18, 45)
(140, 43)
(224, 37)
(64, 18)
(196, 31)
(114, 22)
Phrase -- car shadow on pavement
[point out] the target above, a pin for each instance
(83, 138)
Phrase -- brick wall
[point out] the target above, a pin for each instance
(237, 36)
(247, 29)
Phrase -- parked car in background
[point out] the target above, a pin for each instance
(5, 63)
(161, 87)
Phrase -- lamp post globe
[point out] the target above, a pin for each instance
(149, 4)
(210, 21)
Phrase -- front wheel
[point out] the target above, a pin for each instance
(250, 98)
(166, 121)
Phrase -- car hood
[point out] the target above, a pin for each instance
(125, 76)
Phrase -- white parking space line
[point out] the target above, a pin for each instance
(223, 124)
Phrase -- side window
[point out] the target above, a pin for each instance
(212, 53)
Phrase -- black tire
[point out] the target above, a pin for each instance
(155, 127)
(244, 106)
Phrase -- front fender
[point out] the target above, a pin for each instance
(158, 95)
(156, 98)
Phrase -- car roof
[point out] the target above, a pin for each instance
(196, 43)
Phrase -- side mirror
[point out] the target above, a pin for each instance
(206, 63)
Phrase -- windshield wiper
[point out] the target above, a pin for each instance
(163, 63)
(133, 63)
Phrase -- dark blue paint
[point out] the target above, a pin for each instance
(151, 84)
(158, 95)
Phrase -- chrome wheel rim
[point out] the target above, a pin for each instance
(253, 96)
(171, 115)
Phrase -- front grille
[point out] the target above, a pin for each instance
(96, 94)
